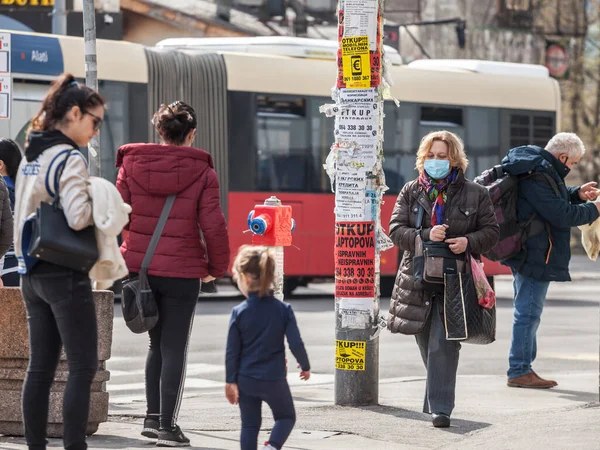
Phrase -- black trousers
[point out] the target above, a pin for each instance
(60, 311)
(167, 356)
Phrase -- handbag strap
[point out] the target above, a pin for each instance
(56, 201)
(164, 215)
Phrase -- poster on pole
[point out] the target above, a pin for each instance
(355, 313)
(350, 355)
(360, 19)
(356, 62)
(349, 200)
(357, 96)
(357, 122)
(355, 259)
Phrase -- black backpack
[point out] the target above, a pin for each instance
(503, 190)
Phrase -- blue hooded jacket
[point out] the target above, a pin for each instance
(546, 256)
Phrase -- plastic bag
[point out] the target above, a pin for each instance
(590, 239)
(485, 294)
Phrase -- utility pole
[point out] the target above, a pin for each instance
(59, 18)
(91, 77)
(355, 166)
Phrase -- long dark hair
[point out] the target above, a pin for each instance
(11, 154)
(64, 93)
(174, 122)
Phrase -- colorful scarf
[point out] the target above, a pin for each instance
(437, 194)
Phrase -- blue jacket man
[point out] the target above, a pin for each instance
(546, 254)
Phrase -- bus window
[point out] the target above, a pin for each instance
(322, 137)
(435, 118)
(519, 130)
(282, 144)
(482, 142)
(526, 128)
(543, 130)
(400, 142)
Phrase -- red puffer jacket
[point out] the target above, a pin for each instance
(148, 174)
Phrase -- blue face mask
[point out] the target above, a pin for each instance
(437, 168)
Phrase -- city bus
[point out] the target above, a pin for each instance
(258, 105)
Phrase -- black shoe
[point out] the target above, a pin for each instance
(172, 437)
(440, 420)
(150, 428)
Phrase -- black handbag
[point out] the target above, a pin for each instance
(138, 304)
(465, 319)
(433, 260)
(53, 240)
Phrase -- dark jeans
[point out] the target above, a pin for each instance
(166, 362)
(440, 357)
(279, 398)
(60, 310)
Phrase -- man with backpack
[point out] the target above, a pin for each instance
(546, 210)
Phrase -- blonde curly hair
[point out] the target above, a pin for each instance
(456, 150)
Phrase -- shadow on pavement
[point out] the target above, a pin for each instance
(459, 426)
(576, 396)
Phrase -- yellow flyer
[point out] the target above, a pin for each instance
(356, 62)
(350, 355)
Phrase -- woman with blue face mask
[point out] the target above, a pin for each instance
(455, 211)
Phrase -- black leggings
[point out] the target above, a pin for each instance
(167, 356)
(60, 310)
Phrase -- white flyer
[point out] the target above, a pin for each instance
(350, 195)
(355, 313)
(360, 19)
(357, 96)
(357, 122)
(360, 157)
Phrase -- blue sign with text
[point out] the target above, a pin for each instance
(39, 55)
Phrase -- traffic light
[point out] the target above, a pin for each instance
(461, 25)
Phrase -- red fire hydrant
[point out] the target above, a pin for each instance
(271, 225)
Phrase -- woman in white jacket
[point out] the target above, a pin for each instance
(60, 308)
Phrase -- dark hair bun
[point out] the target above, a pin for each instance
(174, 122)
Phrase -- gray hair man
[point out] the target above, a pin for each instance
(545, 255)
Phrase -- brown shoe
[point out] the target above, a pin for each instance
(549, 381)
(530, 381)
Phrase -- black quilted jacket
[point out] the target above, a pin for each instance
(468, 213)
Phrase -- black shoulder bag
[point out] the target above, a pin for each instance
(54, 241)
(434, 259)
(139, 307)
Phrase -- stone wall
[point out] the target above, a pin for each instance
(14, 358)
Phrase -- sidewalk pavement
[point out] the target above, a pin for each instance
(488, 415)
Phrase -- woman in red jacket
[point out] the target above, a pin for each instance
(148, 174)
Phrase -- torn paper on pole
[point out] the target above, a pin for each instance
(355, 313)
(358, 156)
(360, 19)
(383, 240)
(350, 197)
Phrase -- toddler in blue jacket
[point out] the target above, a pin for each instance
(255, 362)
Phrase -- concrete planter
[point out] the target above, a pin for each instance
(14, 358)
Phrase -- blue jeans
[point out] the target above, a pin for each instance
(530, 295)
(279, 398)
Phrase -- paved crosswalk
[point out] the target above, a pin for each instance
(127, 386)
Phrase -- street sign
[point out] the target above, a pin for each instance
(5, 79)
